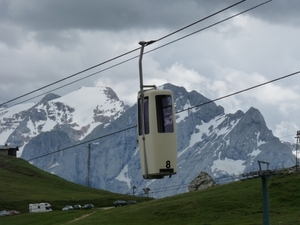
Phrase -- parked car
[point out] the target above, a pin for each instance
(4, 213)
(9, 212)
(120, 203)
(67, 207)
(77, 207)
(88, 206)
(14, 212)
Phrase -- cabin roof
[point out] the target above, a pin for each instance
(8, 147)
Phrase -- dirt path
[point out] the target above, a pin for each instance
(81, 217)
(86, 215)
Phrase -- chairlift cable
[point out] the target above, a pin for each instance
(180, 111)
(114, 58)
(127, 60)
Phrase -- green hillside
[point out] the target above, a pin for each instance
(235, 203)
(22, 184)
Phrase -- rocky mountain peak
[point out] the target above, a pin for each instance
(110, 94)
(209, 140)
(48, 97)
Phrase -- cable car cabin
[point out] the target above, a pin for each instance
(158, 142)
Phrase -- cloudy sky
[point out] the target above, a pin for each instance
(42, 42)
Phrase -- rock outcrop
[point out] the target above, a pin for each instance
(202, 181)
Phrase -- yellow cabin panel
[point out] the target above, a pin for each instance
(158, 154)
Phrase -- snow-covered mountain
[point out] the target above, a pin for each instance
(222, 145)
(76, 113)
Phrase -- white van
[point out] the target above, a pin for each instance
(40, 207)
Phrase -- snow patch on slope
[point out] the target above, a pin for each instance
(7, 114)
(123, 176)
(86, 102)
(230, 166)
(208, 129)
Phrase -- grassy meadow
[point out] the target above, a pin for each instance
(234, 203)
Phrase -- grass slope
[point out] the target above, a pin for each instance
(235, 203)
(22, 184)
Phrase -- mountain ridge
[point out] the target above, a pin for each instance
(209, 140)
(58, 112)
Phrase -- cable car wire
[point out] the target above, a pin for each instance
(241, 91)
(199, 105)
(176, 112)
(190, 161)
(237, 177)
(68, 77)
(65, 85)
(82, 143)
(136, 57)
(186, 185)
(127, 60)
(198, 21)
(214, 24)
(119, 56)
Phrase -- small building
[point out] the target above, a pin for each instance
(9, 150)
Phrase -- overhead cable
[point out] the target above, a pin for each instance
(180, 111)
(127, 60)
(241, 91)
(117, 57)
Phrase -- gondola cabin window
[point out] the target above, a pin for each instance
(146, 115)
(164, 112)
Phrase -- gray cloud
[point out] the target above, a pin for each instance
(106, 15)
(43, 41)
(46, 20)
(120, 15)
